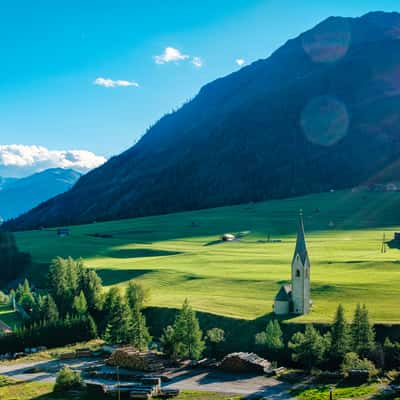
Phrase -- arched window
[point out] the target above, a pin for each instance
(297, 273)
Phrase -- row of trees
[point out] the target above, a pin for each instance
(346, 345)
(75, 297)
(75, 307)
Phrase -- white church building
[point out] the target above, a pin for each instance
(295, 298)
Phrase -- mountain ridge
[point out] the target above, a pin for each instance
(20, 195)
(319, 113)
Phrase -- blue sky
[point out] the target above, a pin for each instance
(53, 51)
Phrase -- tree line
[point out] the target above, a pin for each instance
(344, 346)
(75, 307)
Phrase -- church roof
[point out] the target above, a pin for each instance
(284, 293)
(301, 248)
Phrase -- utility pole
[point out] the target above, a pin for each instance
(383, 247)
(119, 386)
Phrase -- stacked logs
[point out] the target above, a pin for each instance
(245, 362)
(128, 357)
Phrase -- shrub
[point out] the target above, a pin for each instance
(352, 361)
(67, 379)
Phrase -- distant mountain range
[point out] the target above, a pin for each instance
(4, 182)
(18, 196)
(321, 112)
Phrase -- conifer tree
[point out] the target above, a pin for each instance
(50, 310)
(308, 348)
(90, 284)
(340, 336)
(136, 295)
(363, 334)
(80, 305)
(139, 333)
(272, 338)
(187, 336)
(117, 316)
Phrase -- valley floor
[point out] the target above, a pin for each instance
(181, 255)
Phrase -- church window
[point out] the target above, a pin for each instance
(297, 273)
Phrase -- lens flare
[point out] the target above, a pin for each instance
(325, 120)
(328, 42)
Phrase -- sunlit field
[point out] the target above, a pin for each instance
(180, 255)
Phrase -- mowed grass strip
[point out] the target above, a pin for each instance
(180, 256)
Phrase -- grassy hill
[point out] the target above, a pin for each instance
(180, 255)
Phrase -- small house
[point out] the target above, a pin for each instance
(228, 237)
(63, 232)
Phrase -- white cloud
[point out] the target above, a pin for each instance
(240, 61)
(20, 160)
(197, 62)
(110, 83)
(170, 54)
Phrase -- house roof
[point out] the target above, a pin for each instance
(4, 328)
(301, 248)
(284, 293)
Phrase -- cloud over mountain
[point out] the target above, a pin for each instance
(21, 160)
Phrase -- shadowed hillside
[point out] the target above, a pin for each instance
(322, 112)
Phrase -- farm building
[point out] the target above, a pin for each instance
(63, 232)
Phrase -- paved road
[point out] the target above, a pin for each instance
(185, 379)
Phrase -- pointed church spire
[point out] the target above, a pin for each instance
(301, 248)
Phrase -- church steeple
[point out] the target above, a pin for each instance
(301, 273)
(301, 248)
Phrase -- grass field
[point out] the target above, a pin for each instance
(179, 255)
(350, 392)
(8, 316)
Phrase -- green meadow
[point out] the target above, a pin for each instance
(180, 256)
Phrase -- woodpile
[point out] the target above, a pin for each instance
(66, 356)
(145, 389)
(83, 353)
(245, 362)
(131, 358)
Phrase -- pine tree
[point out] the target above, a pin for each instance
(90, 284)
(80, 305)
(363, 334)
(308, 348)
(92, 327)
(107, 337)
(187, 334)
(139, 333)
(272, 338)
(168, 344)
(117, 316)
(136, 295)
(50, 310)
(340, 336)
(26, 299)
